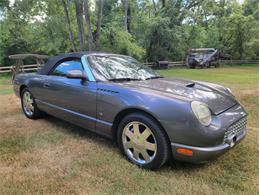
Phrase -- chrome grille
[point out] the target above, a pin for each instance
(236, 128)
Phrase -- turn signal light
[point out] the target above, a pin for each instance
(185, 151)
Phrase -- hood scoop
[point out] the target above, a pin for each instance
(190, 85)
(188, 90)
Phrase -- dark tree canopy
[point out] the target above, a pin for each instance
(145, 29)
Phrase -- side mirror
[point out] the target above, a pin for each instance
(76, 74)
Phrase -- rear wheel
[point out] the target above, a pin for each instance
(143, 141)
(29, 106)
(217, 64)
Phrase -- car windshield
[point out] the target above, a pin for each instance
(117, 67)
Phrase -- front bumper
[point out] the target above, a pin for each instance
(204, 154)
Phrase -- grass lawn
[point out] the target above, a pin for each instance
(52, 156)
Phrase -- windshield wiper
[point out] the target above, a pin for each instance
(155, 77)
(124, 79)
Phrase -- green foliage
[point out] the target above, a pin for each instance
(238, 31)
(39, 26)
(119, 41)
(159, 39)
(125, 44)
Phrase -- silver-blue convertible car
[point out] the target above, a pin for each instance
(150, 117)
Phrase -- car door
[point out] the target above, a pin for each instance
(71, 99)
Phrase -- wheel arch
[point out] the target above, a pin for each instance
(128, 111)
(22, 87)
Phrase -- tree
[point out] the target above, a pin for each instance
(79, 15)
(88, 23)
(71, 36)
(99, 6)
(146, 29)
(154, 5)
(126, 6)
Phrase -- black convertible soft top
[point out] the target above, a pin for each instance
(52, 61)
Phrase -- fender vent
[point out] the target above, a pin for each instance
(107, 90)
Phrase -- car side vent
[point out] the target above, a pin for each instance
(107, 90)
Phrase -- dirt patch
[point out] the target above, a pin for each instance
(9, 105)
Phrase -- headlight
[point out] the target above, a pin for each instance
(202, 112)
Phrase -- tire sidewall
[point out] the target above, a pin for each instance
(34, 115)
(162, 153)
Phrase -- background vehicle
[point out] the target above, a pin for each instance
(203, 58)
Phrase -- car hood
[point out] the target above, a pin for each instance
(215, 96)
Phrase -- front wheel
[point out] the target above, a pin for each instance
(29, 106)
(143, 141)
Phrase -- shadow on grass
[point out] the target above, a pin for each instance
(176, 166)
(76, 131)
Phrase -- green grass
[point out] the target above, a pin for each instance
(13, 146)
(241, 65)
(52, 156)
(6, 91)
(5, 84)
(243, 75)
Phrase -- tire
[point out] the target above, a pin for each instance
(157, 149)
(34, 112)
(192, 67)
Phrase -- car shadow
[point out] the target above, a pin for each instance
(76, 131)
(176, 166)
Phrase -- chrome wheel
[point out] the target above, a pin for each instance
(28, 104)
(139, 142)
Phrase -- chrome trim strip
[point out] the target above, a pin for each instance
(76, 113)
(87, 69)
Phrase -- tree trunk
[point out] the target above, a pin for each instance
(129, 19)
(79, 14)
(88, 23)
(126, 15)
(100, 4)
(154, 6)
(71, 37)
(163, 3)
